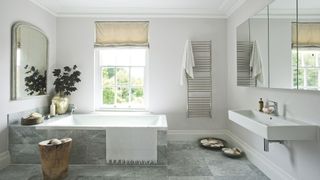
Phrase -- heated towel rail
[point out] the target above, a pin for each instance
(200, 87)
(244, 49)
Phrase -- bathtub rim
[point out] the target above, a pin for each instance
(46, 125)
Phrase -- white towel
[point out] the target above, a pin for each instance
(256, 63)
(131, 144)
(187, 62)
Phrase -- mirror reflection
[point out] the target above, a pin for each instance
(252, 51)
(282, 49)
(279, 47)
(308, 44)
(29, 61)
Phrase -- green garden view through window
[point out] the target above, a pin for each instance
(122, 73)
(306, 69)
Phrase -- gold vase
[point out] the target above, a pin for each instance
(61, 102)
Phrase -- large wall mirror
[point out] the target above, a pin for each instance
(29, 63)
(279, 47)
(252, 51)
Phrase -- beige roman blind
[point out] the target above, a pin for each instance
(121, 33)
(308, 34)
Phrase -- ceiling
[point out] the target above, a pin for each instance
(140, 8)
(287, 8)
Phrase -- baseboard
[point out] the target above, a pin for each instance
(193, 135)
(4, 159)
(258, 159)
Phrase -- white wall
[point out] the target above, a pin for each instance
(75, 37)
(11, 11)
(300, 159)
(280, 53)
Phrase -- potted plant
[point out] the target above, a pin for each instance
(64, 84)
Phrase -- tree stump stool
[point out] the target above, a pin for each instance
(54, 156)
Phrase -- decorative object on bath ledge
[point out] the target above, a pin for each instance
(52, 109)
(212, 143)
(54, 155)
(232, 152)
(64, 85)
(32, 119)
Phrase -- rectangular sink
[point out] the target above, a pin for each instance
(273, 127)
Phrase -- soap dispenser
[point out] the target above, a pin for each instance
(260, 105)
(52, 109)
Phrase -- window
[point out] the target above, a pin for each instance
(306, 72)
(306, 62)
(121, 51)
(121, 77)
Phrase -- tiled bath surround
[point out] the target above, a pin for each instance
(88, 146)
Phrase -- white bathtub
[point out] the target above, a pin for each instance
(129, 138)
(103, 121)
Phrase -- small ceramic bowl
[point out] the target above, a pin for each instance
(212, 143)
(232, 152)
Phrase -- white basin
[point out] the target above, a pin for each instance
(273, 127)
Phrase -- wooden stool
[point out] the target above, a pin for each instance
(55, 159)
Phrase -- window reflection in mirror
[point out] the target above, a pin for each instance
(289, 46)
(308, 69)
(308, 45)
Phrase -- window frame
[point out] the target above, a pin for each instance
(305, 68)
(98, 92)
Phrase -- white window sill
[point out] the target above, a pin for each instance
(122, 111)
(105, 109)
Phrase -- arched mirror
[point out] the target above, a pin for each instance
(29, 61)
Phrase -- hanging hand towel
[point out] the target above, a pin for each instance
(256, 63)
(187, 62)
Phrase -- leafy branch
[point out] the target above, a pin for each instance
(35, 82)
(66, 80)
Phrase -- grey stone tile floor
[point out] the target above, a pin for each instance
(186, 161)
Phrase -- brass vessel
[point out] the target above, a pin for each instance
(61, 102)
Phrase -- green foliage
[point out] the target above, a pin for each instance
(122, 95)
(137, 95)
(108, 96)
(137, 92)
(119, 94)
(303, 66)
(66, 80)
(122, 76)
(298, 78)
(312, 78)
(108, 75)
(35, 82)
(111, 72)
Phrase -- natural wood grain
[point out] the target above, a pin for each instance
(55, 159)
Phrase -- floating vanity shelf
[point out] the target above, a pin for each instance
(273, 127)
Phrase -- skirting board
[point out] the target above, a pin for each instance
(193, 135)
(272, 170)
(4, 159)
(257, 158)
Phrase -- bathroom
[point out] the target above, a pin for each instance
(70, 29)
